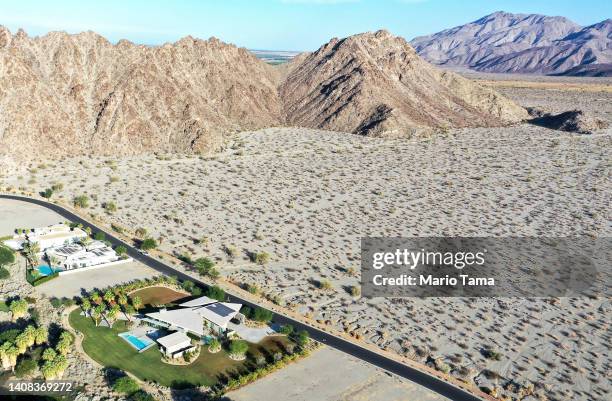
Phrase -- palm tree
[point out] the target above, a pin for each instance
(95, 297)
(129, 310)
(49, 354)
(61, 364)
(109, 297)
(97, 314)
(21, 341)
(18, 308)
(111, 315)
(137, 302)
(30, 334)
(4, 358)
(49, 370)
(41, 335)
(11, 354)
(85, 305)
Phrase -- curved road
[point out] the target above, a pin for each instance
(424, 379)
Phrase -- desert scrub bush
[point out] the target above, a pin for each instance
(109, 206)
(148, 244)
(81, 201)
(231, 251)
(261, 258)
(253, 289)
(117, 228)
(355, 291)
(113, 178)
(325, 285)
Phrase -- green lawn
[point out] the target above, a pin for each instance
(3, 306)
(105, 346)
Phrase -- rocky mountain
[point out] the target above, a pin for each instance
(376, 84)
(523, 43)
(64, 94)
(80, 93)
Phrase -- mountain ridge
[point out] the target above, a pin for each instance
(63, 94)
(520, 43)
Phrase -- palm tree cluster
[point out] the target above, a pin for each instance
(55, 359)
(110, 304)
(11, 350)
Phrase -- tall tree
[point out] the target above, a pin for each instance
(18, 308)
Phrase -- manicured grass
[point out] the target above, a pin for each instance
(105, 346)
(158, 295)
(4, 306)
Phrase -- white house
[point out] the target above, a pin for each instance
(199, 316)
(47, 237)
(175, 345)
(75, 256)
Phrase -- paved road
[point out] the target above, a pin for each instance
(431, 382)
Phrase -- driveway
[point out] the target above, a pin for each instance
(74, 284)
(251, 334)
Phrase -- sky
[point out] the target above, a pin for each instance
(271, 24)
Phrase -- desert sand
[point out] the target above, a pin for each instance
(307, 196)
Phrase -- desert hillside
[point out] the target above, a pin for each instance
(64, 94)
(375, 83)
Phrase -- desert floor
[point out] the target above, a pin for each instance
(306, 197)
(330, 375)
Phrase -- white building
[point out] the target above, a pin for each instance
(175, 345)
(47, 237)
(76, 256)
(199, 316)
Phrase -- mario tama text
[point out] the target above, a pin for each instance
(484, 267)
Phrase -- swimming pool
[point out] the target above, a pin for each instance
(45, 270)
(140, 343)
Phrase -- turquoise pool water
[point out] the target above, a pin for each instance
(45, 270)
(139, 343)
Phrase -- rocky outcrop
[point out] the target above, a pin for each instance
(520, 43)
(576, 121)
(376, 84)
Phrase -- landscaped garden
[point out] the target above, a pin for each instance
(104, 345)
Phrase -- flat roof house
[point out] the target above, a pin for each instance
(75, 256)
(175, 345)
(47, 237)
(199, 316)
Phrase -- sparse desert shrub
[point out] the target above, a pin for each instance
(148, 244)
(325, 285)
(231, 251)
(81, 201)
(261, 258)
(109, 206)
(141, 232)
(355, 291)
(47, 193)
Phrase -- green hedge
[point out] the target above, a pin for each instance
(36, 281)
